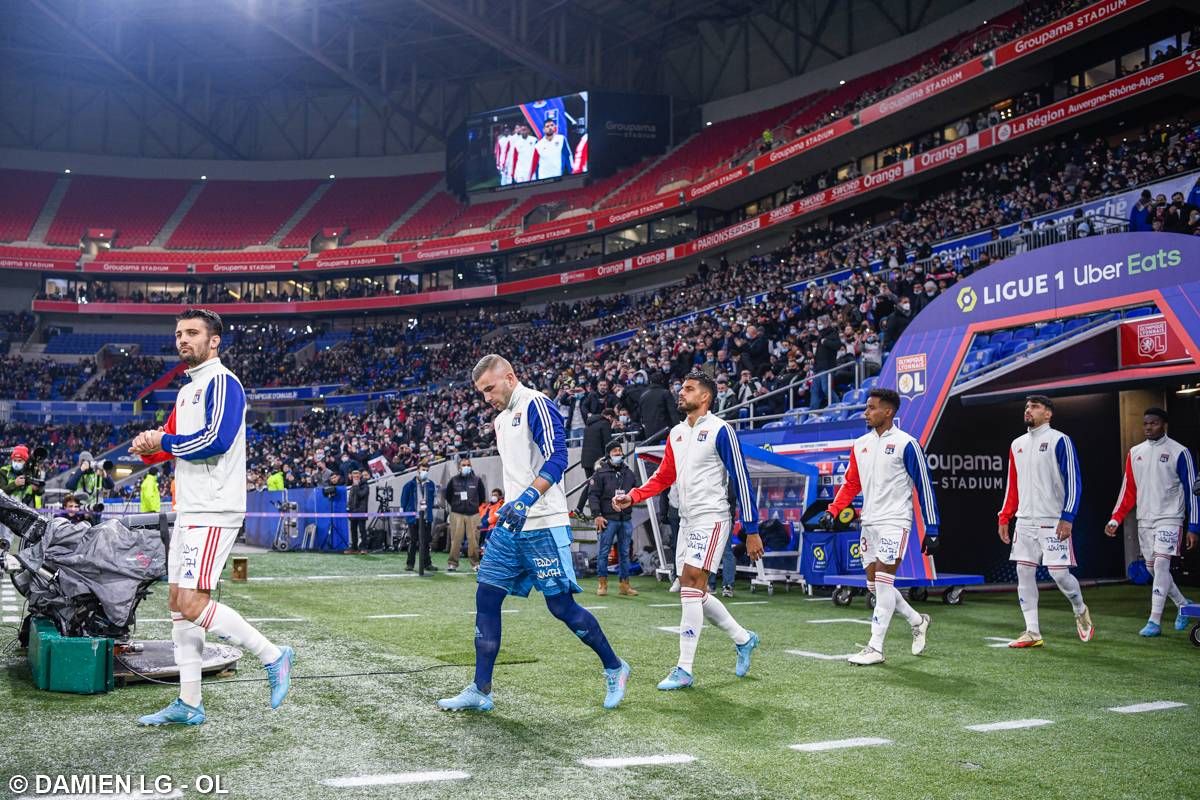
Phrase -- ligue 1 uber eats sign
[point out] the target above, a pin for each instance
(1080, 277)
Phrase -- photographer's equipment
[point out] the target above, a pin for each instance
(286, 528)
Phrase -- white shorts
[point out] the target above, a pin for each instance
(1160, 540)
(883, 543)
(1035, 544)
(198, 555)
(701, 545)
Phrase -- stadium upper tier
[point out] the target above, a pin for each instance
(214, 220)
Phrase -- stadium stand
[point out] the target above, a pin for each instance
(237, 214)
(365, 206)
(137, 208)
(21, 202)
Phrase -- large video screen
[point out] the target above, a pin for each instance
(538, 141)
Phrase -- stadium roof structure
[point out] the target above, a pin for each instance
(287, 78)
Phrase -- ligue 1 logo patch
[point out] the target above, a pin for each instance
(910, 375)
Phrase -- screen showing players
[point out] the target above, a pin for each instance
(538, 141)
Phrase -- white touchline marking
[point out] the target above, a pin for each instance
(391, 616)
(637, 761)
(248, 619)
(594, 608)
(662, 605)
(1010, 725)
(396, 778)
(669, 629)
(1157, 705)
(839, 619)
(502, 611)
(747, 603)
(838, 744)
(136, 796)
(819, 656)
(818, 599)
(1000, 641)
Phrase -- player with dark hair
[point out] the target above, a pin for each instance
(1044, 489)
(206, 435)
(702, 458)
(551, 153)
(531, 544)
(886, 464)
(1159, 475)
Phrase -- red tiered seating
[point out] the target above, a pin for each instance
(21, 201)
(476, 215)
(45, 253)
(136, 207)
(429, 218)
(367, 206)
(238, 214)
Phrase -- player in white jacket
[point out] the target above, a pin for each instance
(702, 458)
(206, 434)
(886, 465)
(1043, 492)
(1159, 476)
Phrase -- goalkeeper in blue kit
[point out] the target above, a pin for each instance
(531, 544)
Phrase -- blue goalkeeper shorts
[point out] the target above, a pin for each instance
(539, 558)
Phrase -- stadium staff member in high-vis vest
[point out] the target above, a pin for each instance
(1159, 476)
(206, 435)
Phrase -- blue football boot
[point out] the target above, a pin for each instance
(679, 678)
(178, 713)
(279, 673)
(743, 654)
(1181, 622)
(616, 680)
(1152, 629)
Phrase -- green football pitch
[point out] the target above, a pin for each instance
(727, 737)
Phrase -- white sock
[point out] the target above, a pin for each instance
(229, 624)
(904, 609)
(690, 624)
(870, 587)
(1027, 595)
(1069, 586)
(1172, 591)
(189, 656)
(1163, 583)
(716, 613)
(885, 604)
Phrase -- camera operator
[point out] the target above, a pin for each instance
(418, 497)
(18, 481)
(357, 495)
(91, 480)
(464, 493)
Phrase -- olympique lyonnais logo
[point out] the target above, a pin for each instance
(702, 436)
(910, 375)
(516, 419)
(1152, 339)
(891, 448)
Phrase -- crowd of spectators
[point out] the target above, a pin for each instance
(126, 378)
(42, 378)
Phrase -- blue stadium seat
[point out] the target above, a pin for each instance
(1000, 337)
(870, 382)
(1144, 311)
(1050, 330)
(1024, 333)
(983, 340)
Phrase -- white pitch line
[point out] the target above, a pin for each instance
(669, 629)
(136, 796)
(396, 779)
(502, 611)
(838, 744)
(391, 616)
(747, 603)
(637, 761)
(1000, 641)
(819, 656)
(594, 608)
(662, 605)
(1157, 705)
(839, 619)
(818, 599)
(1010, 725)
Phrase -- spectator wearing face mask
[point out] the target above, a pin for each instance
(895, 324)
(463, 494)
(1178, 214)
(488, 514)
(598, 431)
(612, 476)
(418, 497)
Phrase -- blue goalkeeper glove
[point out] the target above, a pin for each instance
(512, 515)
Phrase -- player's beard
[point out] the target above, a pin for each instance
(195, 356)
